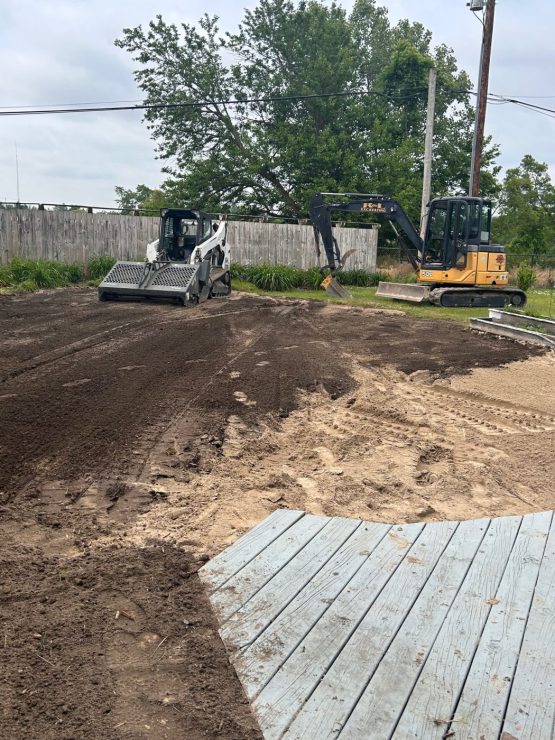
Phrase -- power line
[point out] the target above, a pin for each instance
(98, 108)
(55, 105)
(528, 105)
(208, 103)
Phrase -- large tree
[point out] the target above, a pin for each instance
(268, 156)
(526, 224)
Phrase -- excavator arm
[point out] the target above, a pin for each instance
(320, 214)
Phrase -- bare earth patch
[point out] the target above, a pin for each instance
(397, 449)
(138, 439)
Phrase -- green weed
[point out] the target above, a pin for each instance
(99, 266)
(525, 277)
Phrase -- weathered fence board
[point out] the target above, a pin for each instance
(74, 236)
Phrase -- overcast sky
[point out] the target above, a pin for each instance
(62, 51)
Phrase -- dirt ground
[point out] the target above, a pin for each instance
(138, 439)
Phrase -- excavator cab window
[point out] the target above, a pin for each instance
(435, 233)
(485, 231)
(446, 235)
(479, 223)
(457, 239)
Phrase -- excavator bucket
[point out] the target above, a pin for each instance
(334, 288)
(404, 292)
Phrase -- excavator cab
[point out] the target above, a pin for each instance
(454, 227)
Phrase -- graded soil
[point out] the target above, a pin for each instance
(138, 439)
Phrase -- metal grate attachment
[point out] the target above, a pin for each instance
(125, 272)
(174, 276)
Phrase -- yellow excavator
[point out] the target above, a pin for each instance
(455, 263)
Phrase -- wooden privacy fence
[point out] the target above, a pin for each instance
(74, 236)
(293, 244)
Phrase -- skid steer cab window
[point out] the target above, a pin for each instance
(180, 237)
(206, 229)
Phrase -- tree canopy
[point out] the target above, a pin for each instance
(141, 198)
(526, 224)
(261, 155)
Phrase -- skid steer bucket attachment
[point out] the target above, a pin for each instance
(171, 280)
(404, 292)
(334, 288)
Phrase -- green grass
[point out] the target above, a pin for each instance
(25, 275)
(99, 266)
(538, 302)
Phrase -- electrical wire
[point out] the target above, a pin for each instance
(208, 103)
(98, 108)
(55, 105)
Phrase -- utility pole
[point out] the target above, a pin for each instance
(481, 100)
(428, 145)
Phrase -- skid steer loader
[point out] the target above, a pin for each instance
(455, 263)
(188, 263)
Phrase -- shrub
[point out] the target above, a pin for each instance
(361, 278)
(74, 273)
(6, 277)
(525, 277)
(311, 278)
(99, 266)
(46, 274)
(19, 269)
(273, 277)
(27, 275)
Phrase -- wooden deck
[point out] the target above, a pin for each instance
(340, 628)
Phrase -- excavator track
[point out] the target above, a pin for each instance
(477, 297)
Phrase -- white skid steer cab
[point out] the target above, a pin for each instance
(188, 263)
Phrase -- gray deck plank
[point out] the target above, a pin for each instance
(227, 563)
(333, 699)
(481, 707)
(531, 709)
(252, 618)
(260, 661)
(238, 589)
(382, 702)
(288, 690)
(435, 695)
(347, 629)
